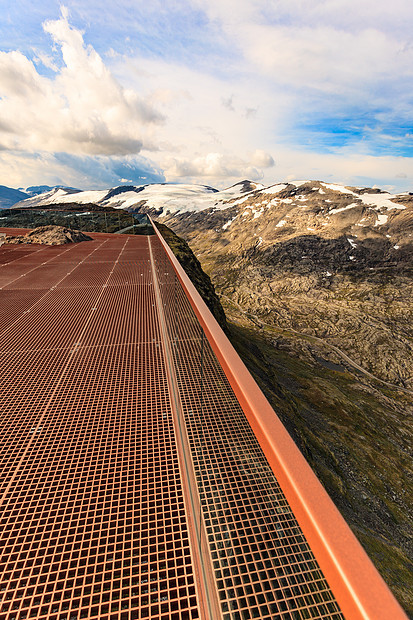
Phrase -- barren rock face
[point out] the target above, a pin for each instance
(324, 260)
(50, 235)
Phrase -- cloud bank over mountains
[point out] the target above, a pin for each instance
(208, 92)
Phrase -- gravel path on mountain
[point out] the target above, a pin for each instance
(322, 341)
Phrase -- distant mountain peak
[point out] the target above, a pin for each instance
(35, 190)
(9, 196)
(246, 186)
(169, 199)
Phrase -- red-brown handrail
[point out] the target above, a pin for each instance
(359, 589)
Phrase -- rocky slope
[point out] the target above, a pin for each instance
(48, 235)
(354, 432)
(193, 268)
(325, 261)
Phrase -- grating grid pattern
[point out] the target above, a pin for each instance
(263, 565)
(93, 521)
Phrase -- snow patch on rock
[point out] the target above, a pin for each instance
(228, 224)
(338, 188)
(381, 219)
(341, 209)
(274, 189)
(380, 200)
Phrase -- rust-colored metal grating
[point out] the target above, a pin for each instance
(131, 482)
(93, 523)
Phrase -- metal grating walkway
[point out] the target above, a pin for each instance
(93, 520)
(132, 485)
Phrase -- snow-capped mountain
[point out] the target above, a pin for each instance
(36, 190)
(168, 200)
(10, 196)
(266, 216)
(251, 215)
(161, 197)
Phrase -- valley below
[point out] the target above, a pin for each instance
(354, 432)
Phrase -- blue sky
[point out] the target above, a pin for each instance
(206, 91)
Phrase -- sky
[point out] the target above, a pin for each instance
(96, 94)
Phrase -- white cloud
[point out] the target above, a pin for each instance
(345, 168)
(201, 136)
(215, 91)
(330, 47)
(329, 61)
(262, 159)
(82, 171)
(172, 112)
(228, 103)
(46, 60)
(82, 109)
(213, 167)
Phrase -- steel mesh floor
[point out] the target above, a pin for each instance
(93, 519)
(93, 522)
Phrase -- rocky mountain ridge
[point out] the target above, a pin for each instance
(161, 198)
(10, 196)
(323, 260)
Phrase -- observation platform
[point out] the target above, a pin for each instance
(143, 473)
